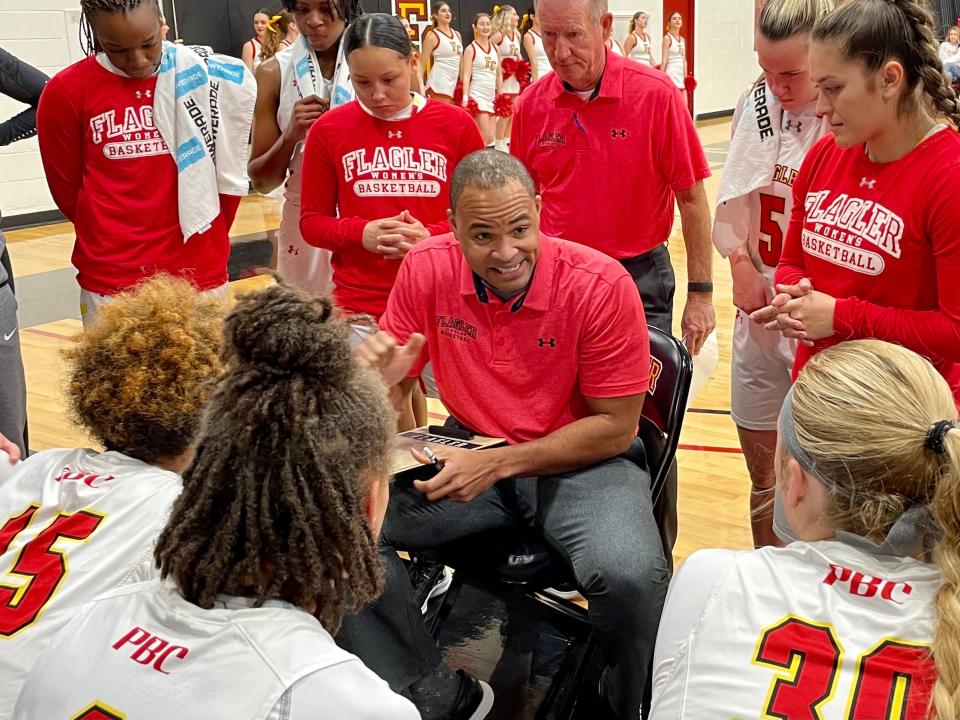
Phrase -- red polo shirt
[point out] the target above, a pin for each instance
(521, 369)
(608, 168)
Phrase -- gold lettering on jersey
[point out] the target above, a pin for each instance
(395, 172)
(784, 174)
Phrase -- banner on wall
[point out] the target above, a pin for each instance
(416, 12)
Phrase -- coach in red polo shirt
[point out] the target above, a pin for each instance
(610, 144)
(543, 342)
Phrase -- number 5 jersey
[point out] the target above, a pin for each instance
(813, 630)
(73, 524)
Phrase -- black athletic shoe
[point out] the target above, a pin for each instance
(474, 699)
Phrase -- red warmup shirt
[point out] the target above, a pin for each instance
(608, 168)
(362, 168)
(112, 175)
(582, 318)
(884, 240)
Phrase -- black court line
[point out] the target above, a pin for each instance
(708, 411)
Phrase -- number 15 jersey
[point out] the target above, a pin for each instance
(73, 524)
(810, 631)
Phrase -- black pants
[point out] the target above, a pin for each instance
(653, 274)
(13, 389)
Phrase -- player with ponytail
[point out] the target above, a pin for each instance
(845, 620)
(872, 249)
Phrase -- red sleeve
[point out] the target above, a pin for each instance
(935, 334)
(615, 346)
(406, 309)
(679, 153)
(229, 204)
(319, 224)
(470, 141)
(791, 268)
(60, 128)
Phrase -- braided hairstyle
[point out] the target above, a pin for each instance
(876, 31)
(295, 433)
(88, 39)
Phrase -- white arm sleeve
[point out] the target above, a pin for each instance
(348, 691)
(687, 597)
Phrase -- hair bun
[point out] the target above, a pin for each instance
(281, 329)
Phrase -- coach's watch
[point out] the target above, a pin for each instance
(704, 287)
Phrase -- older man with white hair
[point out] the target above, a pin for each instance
(610, 145)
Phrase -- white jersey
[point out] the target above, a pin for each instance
(543, 62)
(483, 77)
(770, 207)
(642, 52)
(298, 262)
(445, 70)
(616, 47)
(820, 629)
(73, 524)
(257, 50)
(674, 61)
(509, 47)
(144, 652)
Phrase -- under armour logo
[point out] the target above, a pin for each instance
(140, 95)
(794, 125)
(622, 133)
(545, 342)
(394, 135)
(291, 250)
(868, 183)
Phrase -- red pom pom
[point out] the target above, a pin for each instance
(458, 93)
(503, 106)
(509, 67)
(689, 83)
(472, 107)
(524, 73)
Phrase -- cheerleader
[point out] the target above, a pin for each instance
(614, 46)
(675, 51)
(440, 61)
(753, 210)
(637, 46)
(253, 48)
(506, 39)
(480, 76)
(416, 77)
(533, 44)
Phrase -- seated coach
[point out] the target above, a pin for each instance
(542, 342)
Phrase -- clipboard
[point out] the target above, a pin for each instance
(418, 438)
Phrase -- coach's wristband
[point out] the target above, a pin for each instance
(704, 287)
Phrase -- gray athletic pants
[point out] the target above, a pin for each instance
(13, 388)
(599, 518)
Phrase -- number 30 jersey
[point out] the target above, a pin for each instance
(73, 524)
(813, 630)
(770, 207)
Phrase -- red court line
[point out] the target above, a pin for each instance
(710, 448)
(47, 333)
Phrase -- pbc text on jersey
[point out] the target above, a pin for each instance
(867, 586)
(150, 649)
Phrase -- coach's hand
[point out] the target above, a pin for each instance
(466, 474)
(381, 352)
(305, 114)
(698, 320)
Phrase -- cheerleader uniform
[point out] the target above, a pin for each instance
(674, 61)
(544, 67)
(641, 51)
(445, 70)
(483, 77)
(257, 49)
(509, 47)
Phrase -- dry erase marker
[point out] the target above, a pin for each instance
(433, 458)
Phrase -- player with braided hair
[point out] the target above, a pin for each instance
(271, 542)
(872, 249)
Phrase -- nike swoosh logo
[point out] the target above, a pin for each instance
(7, 337)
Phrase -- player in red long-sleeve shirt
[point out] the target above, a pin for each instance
(873, 248)
(376, 171)
(110, 171)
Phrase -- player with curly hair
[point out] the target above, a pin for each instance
(272, 541)
(77, 522)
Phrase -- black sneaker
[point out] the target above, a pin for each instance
(474, 699)
(428, 579)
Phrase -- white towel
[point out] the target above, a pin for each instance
(203, 107)
(750, 165)
(310, 81)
